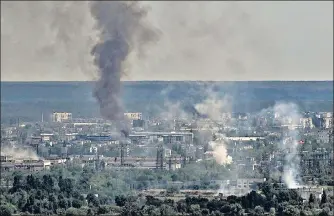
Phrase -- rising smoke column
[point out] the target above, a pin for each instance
(214, 107)
(288, 114)
(123, 31)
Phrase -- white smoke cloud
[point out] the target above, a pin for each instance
(220, 152)
(19, 153)
(174, 111)
(214, 106)
(288, 114)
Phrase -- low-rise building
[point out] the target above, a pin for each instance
(46, 137)
(27, 165)
(166, 137)
(243, 139)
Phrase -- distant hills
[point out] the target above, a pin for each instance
(28, 100)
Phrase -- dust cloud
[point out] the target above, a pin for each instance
(19, 153)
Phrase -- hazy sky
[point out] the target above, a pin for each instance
(198, 41)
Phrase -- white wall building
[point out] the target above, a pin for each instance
(306, 123)
(61, 116)
(328, 122)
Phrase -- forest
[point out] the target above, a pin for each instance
(64, 192)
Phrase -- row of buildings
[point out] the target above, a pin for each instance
(307, 120)
(92, 143)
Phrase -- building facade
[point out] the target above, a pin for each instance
(61, 116)
(133, 116)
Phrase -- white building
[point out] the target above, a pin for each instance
(306, 123)
(328, 122)
(327, 115)
(133, 116)
(61, 116)
(46, 137)
(245, 139)
(165, 137)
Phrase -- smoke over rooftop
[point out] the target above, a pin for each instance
(19, 153)
(122, 31)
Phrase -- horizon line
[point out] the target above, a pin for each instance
(38, 81)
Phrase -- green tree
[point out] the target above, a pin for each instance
(5, 210)
(311, 198)
(76, 203)
(236, 210)
(103, 209)
(306, 213)
(17, 184)
(92, 200)
(72, 212)
(151, 210)
(195, 210)
(130, 209)
(120, 201)
(291, 211)
(90, 212)
(23, 199)
(258, 211)
(181, 207)
(166, 210)
(324, 197)
(324, 213)
(272, 212)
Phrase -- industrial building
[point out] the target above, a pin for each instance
(170, 163)
(166, 137)
(10, 164)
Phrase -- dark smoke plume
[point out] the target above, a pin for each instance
(123, 30)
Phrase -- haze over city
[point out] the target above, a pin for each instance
(195, 41)
(188, 108)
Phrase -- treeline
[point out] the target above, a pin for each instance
(54, 194)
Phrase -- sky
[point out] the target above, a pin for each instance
(283, 40)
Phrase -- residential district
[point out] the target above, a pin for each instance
(254, 146)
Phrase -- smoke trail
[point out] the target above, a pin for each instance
(63, 40)
(288, 115)
(212, 108)
(123, 30)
